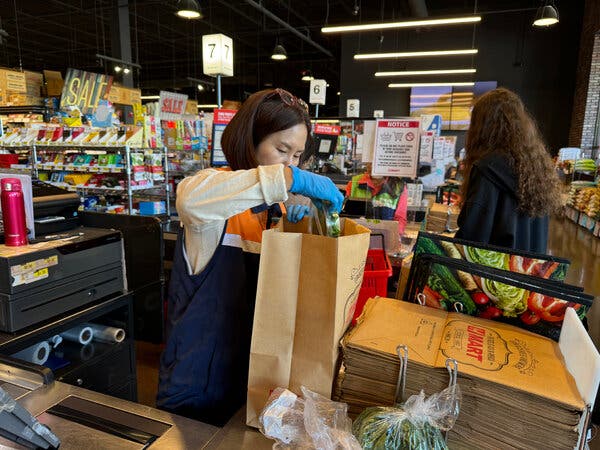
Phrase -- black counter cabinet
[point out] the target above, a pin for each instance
(106, 368)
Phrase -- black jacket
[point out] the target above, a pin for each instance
(490, 215)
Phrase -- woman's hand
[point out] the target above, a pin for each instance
(317, 187)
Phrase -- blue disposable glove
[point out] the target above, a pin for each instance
(295, 213)
(317, 187)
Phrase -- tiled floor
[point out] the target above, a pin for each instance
(566, 239)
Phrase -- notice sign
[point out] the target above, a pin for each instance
(396, 147)
(85, 90)
(172, 105)
(426, 151)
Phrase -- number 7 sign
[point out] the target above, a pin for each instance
(217, 55)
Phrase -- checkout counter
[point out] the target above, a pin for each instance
(80, 418)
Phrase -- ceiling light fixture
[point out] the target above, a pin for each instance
(200, 87)
(118, 69)
(208, 106)
(406, 73)
(150, 97)
(546, 15)
(126, 70)
(189, 9)
(279, 53)
(470, 51)
(407, 85)
(307, 75)
(404, 24)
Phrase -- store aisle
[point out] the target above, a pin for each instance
(569, 240)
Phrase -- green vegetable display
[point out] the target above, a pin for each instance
(490, 258)
(510, 299)
(455, 290)
(388, 428)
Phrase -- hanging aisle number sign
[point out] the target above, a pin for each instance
(353, 107)
(317, 92)
(217, 55)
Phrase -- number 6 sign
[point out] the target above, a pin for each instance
(317, 92)
(217, 55)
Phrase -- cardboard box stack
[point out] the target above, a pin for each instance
(437, 219)
(20, 88)
(516, 391)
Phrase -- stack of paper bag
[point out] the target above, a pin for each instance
(516, 390)
(442, 218)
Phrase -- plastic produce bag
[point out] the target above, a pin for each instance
(415, 425)
(314, 422)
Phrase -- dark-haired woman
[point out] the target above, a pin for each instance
(204, 367)
(510, 185)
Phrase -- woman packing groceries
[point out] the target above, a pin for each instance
(510, 186)
(204, 367)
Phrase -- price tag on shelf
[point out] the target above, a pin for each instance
(318, 89)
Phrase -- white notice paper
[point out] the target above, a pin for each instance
(396, 147)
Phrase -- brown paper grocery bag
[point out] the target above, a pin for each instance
(306, 295)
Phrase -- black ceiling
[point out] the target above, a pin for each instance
(57, 34)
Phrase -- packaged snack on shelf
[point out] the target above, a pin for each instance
(103, 160)
(151, 208)
(154, 166)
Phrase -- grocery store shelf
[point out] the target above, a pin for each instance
(20, 170)
(81, 168)
(119, 190)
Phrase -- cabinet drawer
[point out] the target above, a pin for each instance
(110, 371)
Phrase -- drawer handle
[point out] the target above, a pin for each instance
(79, 382)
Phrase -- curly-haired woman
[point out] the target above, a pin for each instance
(510, 185)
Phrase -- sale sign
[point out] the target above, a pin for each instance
(333, 130)
(397, 144)
(85, 90)
(223, 116)
(172, 105)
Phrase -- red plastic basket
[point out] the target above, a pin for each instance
(377, 271)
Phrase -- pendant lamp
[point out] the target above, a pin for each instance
(279, 53)
(546, 15)
(189, 9)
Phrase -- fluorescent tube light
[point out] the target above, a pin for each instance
(208, 106)
(471, 51)
(407, 85)
(403, 24)
(150, 97)
(325, 121)
(406, 73)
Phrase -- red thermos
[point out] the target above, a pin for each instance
(13, 212)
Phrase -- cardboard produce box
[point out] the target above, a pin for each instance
(54, 83)
(24, 100)
(34, 82)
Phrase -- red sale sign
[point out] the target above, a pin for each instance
(333, 130)
(172, 105)
(223, 116)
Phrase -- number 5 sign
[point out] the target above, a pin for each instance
(217, 55)
(317, 92)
